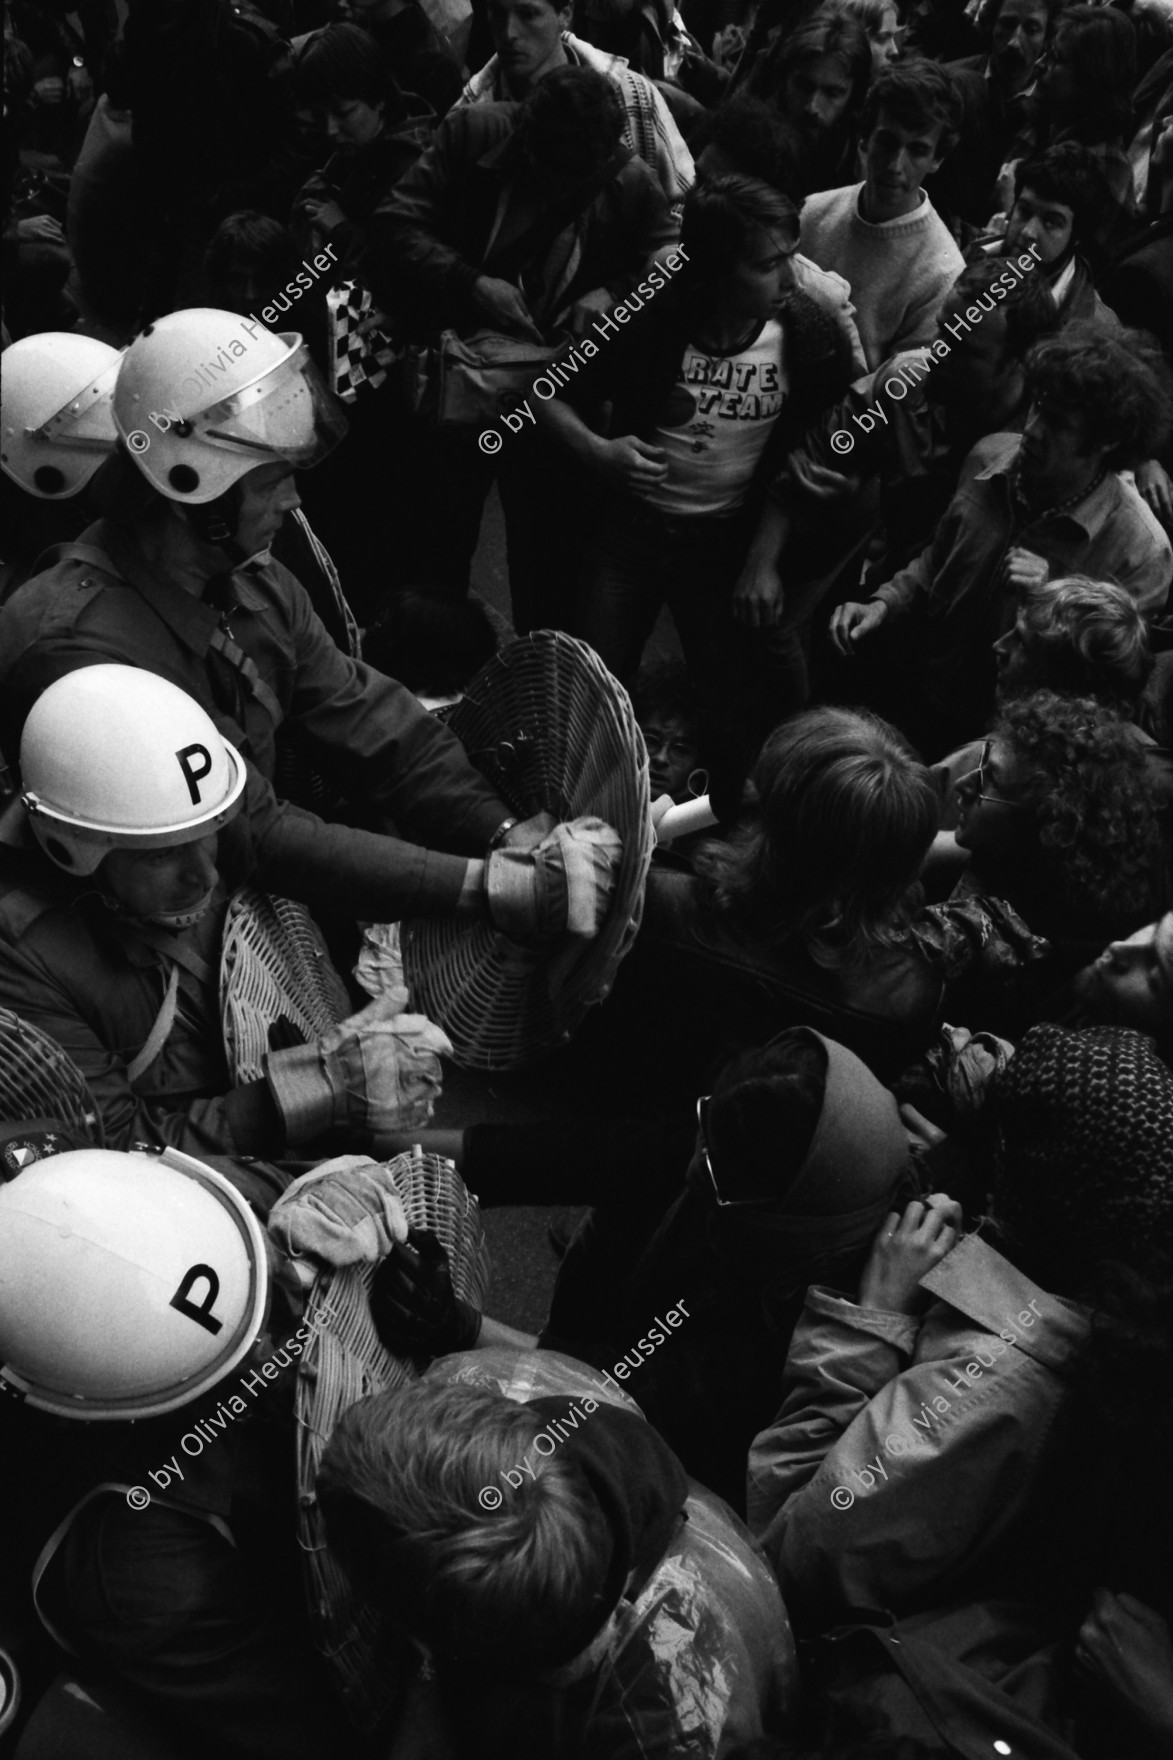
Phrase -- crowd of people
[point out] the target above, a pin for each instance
(841, 331)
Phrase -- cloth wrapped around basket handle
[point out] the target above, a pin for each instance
(564, 885)
(378, 1071)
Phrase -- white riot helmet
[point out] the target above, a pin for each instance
(113, 757)
(129, 1284)
(203, 397)
(56, 419)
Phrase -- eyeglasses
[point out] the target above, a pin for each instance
(767, 1176)
(979, 770)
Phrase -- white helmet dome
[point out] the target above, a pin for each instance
(129, 1284)
(56, 420)
(113, 757)
(203, 397)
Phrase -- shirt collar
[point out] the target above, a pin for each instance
(130, 563)
(1090, 514)
(1062, 287)
(987, 1288)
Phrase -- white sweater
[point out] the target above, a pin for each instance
(899, 270)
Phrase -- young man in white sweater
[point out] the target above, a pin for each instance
(884, 235)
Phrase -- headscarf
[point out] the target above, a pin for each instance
(854, 1172)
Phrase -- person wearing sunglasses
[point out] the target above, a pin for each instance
(1061, 819)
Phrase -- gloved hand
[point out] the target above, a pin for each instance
(378, 1071)
(564, 884)
(528, 833)
(346, 1212)
(413, 1304)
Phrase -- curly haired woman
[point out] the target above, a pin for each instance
(1061, 819)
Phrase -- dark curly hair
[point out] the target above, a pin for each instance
(1069, 173)
(754, 141)
(343, 62)
(845, 818)
(1030, 312)
(571, 123)
(1080, 770)
(1119, 384)
(918, 94)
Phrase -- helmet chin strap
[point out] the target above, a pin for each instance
(162, 919)
(216, 523)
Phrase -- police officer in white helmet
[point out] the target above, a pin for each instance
(56, 430)
(111, 914)
(215, 413)
(149, 1352)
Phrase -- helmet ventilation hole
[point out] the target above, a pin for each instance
(184, 478)
(48, 479)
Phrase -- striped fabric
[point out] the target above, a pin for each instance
(651, 132)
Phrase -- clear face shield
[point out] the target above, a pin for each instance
(288, 413)
(87, 420)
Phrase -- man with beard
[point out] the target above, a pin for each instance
(816, 78)
(1046, 503)
(997, 91)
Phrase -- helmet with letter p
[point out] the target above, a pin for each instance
(130, 1283)
(113, 757)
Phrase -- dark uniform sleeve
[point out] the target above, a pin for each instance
(404, 761)
(40, 977)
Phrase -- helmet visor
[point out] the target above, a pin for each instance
(287, 414)
(88, 418)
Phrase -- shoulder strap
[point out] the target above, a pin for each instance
(79, 552)
(159, 1033)
(222, 643)
(19, 909)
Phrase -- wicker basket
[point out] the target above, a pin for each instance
(551, 729)
(39, 1080)
(342, 1363)
(277, 985)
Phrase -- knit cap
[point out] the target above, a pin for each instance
(1086, 1167)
